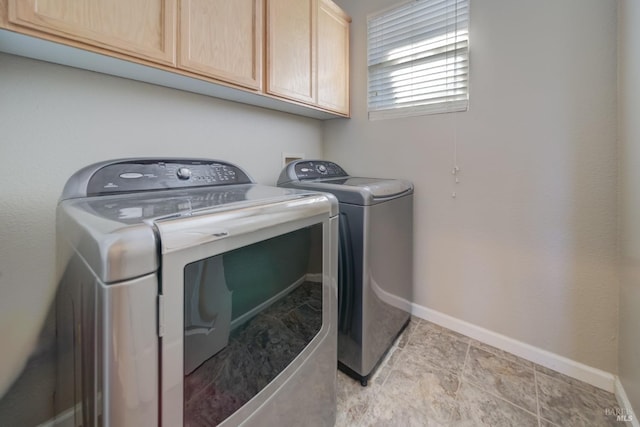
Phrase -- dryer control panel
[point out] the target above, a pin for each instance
(149, 174)
(316, 169)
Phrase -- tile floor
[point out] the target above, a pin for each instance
(436, 377)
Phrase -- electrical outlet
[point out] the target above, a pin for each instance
(291, 157)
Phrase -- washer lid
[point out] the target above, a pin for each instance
(321, 175)
(357, 191)
(378, 188)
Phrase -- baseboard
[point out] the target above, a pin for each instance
(588, 374)
(623, 400)
(64, 419)
(313, 277)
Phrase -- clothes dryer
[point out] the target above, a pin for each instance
(190, 295)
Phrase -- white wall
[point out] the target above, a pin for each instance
(55, 119)
(629, 137)
(528, 247)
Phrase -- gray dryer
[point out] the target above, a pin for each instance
(190, 295)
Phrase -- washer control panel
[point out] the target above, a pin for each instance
(153, 174)
(317, 169)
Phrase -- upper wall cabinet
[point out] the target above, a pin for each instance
(289, 55)
(145, 28)
(333, 57)
(291, 50)
(308, 52)
(223, 39)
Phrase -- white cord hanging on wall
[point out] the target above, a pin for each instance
(451, 14)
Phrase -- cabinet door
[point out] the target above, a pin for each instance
(333, 57)
(291, 49)
(142, 28)
(223, 39)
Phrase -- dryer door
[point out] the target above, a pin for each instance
(243, 310)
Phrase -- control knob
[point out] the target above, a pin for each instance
(184, 173)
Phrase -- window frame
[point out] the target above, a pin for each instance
(445, 106)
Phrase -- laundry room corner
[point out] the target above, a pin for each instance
(515, 212)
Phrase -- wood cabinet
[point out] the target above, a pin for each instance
(291, 50)
(308, 52)
(223, 39)
(144, 28)
(293, 54)
(333, 57)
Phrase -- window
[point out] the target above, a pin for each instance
(418, 59)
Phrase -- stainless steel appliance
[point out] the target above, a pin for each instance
(375, 259)
(190, 295)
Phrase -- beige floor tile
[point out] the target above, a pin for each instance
(382, 371)
(406, 334)
(410, 398)
(353, 401)
(479, 408)
(509, 380)
(573, 382)
(441, 347)
(436, 377)
(501, 353)
(568, 405)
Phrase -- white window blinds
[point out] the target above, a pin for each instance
(418, 59)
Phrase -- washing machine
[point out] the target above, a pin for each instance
(191, 296)
(375, 272)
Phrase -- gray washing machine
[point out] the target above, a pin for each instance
(375, 268)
